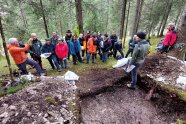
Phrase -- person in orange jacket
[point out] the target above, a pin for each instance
(91, 48)
(20, 58)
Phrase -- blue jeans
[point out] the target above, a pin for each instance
(53, 58)
(104, 56)
(134, 74)
(31, 62)
(63, 63)
(88, 57)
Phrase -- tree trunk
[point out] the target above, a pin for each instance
(137, 16)
(181, 37)
(44, 19)
(126, 25)
(166, 17)
(151, 20)
(178, 15)
(61, 29)
(124, 3)
(79, 15)
(23, 15)
(5, 49)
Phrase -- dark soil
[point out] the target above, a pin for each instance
(110, 102)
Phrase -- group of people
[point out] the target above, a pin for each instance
(82, 48)
(60, 50)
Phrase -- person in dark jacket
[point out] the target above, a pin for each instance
(99, 39)
(67, 39)
(35, 49)
(54, 38)
(82, 43)
(132, 43)
(86, 38)
(105, 47)
(113, 39)
(141, 50)
(118, 47)
(50, 48)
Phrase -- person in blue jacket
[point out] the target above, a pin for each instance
(75, 49)
(50, 48)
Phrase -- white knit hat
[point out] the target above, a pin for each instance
(12, 40)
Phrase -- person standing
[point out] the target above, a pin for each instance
(86, 38)
(91, 48)
(105, 47)
(67, 39)
(19, 56)
(61, 51)
(132, 43)
(50, 49)
(113, 39)
(99, 39)
(118, 47)
(54, 38)
(83, 44)
(141, 50)
(35, 49)
(75, 49)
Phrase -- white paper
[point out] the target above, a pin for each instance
(129, 68)
(45, 55)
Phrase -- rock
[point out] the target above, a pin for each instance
(5, 120)
(52, 113)
(13, 108)
(4, 115)
(29, 114)
(61, 120)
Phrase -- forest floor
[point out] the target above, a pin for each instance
(101, 96)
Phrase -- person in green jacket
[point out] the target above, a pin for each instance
(141, 50)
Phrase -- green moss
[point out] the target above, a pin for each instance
(180, 121)
(50, 100)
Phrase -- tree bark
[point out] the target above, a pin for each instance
(166, 17)
(23, 15)
(137, 16)
(151, 20)
(5, 49)
(79, 15)
(126, 25)
(44, 19)
(124, 3)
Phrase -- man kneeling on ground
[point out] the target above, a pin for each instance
(20, 57)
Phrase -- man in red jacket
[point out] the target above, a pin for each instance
(170, 38)
(61, 51)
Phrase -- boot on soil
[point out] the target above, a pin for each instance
(131, 87)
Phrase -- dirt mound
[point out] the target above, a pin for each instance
(96, 80)
(166, 69)
(48, 101)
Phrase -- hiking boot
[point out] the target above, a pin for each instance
(131, 87)
(43, 74)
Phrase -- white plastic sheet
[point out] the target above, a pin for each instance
(181, 81)
(71, 76)
(121, 62)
